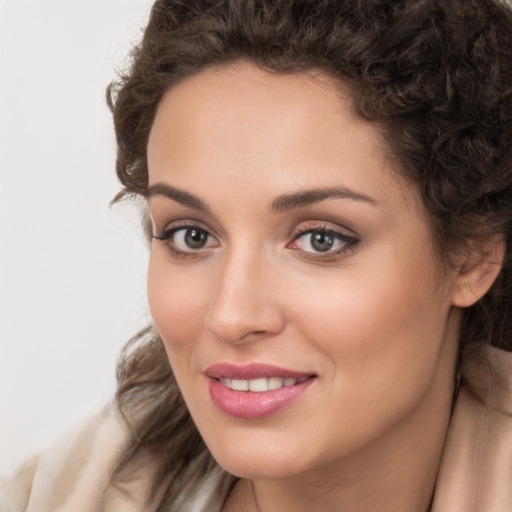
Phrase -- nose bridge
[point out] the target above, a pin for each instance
(243, 303)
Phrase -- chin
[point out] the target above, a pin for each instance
(257, 468)
(259, 456)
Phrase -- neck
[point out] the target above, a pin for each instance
(399, 476)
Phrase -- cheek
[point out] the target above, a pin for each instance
(177, 304)
(378, 325)
(380, 340)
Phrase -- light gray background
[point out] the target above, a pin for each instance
(72, 272)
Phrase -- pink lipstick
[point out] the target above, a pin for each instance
(256, 390)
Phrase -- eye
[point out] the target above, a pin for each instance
(190, 238)
(323, 240)
(187, 240)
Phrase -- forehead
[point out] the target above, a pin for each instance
(250, 129)
(256, 105)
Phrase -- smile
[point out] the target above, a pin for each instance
(260, 385)
(255, 391)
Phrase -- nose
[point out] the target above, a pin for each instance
(244, 304)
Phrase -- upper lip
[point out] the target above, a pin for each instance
(251, 371)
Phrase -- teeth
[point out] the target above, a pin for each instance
(240, 385)
(275, 383)
(260, 385)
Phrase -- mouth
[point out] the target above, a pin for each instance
(256, 390)
(262, 384)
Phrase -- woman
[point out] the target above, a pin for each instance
(328, 191)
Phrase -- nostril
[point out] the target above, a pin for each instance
(254, 332)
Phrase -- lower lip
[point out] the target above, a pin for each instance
(249, 405)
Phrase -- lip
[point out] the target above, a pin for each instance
(251, 371)
(251, 405)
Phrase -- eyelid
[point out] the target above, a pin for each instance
(324, 225)
(337, 234)
(350, 241)
(167, 234)
(169, 227)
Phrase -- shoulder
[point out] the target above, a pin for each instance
(76, 473)
(15, 490)
(476, 467)
(75, 467)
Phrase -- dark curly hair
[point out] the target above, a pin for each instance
(434, 75)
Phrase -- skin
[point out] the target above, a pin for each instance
(376, 323)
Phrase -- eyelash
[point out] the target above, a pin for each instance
(348, 246)
(167, 234)
(349, 242)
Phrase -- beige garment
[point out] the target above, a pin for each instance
(476, 468)
(475, 474)
(73, 475)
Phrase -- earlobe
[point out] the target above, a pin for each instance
(480, 269)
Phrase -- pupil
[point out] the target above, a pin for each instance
(195, 238)
(322, 241)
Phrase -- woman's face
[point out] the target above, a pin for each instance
(294, 279)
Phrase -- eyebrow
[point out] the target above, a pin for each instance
(282, 203)
(180, 196)
(307, 197)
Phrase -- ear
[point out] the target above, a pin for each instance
(480, 267)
